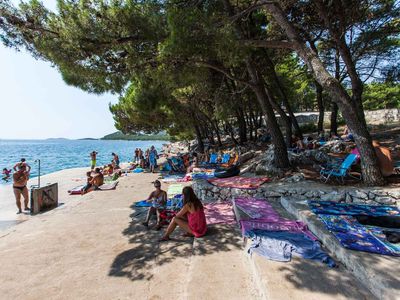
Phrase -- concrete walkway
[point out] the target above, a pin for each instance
(93, 247)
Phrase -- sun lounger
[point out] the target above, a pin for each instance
(339, 172)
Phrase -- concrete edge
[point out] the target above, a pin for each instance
(374, 282)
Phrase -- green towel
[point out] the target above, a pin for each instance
(174, 189)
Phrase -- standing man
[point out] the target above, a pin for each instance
(20, 179)
(153, 159)
(93, 156)
(136, 158)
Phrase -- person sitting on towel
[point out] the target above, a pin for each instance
(159, 200)
(88, 184)
(97, 180)
(190, 218)
(195, 163)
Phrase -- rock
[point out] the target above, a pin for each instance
(246, 156)
(348, 199)
(334, 196)
(358, 194)
(385, 200)
(294, 178)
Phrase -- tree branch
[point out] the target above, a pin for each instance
(269, 44)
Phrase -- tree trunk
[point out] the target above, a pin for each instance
(285, 100)
(372, 175)
(334, 114)
(280, 150)
(320, 104)
(199, 139)
(286, 120)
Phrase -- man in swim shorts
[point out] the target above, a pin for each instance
(20, 179)
(93, 155)
(115, 159)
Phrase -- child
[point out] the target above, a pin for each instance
(190, 218)
(159, 201)
(6, 174)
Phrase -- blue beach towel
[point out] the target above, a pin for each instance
(334, 208)
(355, 236)
(281, 245)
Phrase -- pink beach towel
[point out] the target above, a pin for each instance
(219, 213)
(256, 208)
(239, 182)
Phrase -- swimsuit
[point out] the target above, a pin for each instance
(157, 201)
(197, 222)
(21, 188)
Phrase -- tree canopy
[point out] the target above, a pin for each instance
(213, 68)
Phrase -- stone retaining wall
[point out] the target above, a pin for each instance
(303, 191)
(374, 117)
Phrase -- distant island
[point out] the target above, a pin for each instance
(88, 139)
(133, 137)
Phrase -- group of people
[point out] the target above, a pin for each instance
(146, 159)
(190, 218)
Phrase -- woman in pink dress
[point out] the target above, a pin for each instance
(190, 218)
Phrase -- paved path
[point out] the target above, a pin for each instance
(93, 247)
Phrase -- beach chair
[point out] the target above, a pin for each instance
(225, 158)
(339, 171)
(397, 167)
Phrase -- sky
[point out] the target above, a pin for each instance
(35, 103)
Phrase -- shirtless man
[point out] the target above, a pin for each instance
(23, 162)
(97, 179)
(20, 178)
(93, 155)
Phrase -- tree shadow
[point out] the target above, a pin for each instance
(147, 252)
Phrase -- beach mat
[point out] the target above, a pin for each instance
(174, 189)
(239, 182)
(334, 208)
(219, 213)
(355, 236)
(105, 187)
(256, 208)
(172, 178)
(279, 225)
(176, 202)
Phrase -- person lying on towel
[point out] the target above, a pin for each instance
(159, 202)
(190, 218)
(96, 181)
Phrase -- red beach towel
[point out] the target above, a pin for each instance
(239, 182)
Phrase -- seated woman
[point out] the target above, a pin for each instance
(190, 218)
(159, 201)
(347, 135)
(195, 163)
(96, 181)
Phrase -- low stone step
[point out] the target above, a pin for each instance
(378, 273)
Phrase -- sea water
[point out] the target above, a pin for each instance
(56, 155)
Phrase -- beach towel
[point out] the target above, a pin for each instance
(138, 170)
(174, 189)
(353, 235)
(105, 187)
(256, 208)
(334, 208)
(173, 203)
(239, 182)
(281, 245)
(202, 176)
(172, 178)
(248, 226)
(219, 213)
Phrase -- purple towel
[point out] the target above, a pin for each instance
(256, 208)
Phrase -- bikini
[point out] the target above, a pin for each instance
(21, 188)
